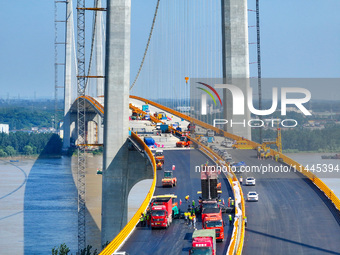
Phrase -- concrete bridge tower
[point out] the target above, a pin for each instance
(122, 167)
(68, 74)
(235, 60)
(99, 67)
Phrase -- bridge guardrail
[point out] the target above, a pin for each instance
(94, 102)
(116, 243)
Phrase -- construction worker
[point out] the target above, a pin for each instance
(245, 221)
(187, 198)
(189, 208)
(148, 218)
(190, 218)
(230, 219)
(142, 219)
(194, 221)
(232, 202)
(241, 180)
(175, 211)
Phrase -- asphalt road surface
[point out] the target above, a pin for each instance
(177, 238)
(292, 216)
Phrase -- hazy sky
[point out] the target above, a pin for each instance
(299, 39)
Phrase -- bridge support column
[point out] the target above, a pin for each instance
(235, 60)
(116, 121)
(68, 75)
(117, 188)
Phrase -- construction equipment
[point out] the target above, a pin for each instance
(159, 165)
(277, 142)
(184, 141)
(169, 179)
(209, 184)
(159, 156)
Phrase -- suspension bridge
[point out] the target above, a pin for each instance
(189, 42)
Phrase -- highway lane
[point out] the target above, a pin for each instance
(177, 238)
(292, 215)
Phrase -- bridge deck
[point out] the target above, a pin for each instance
(292, 215)
(177, 238)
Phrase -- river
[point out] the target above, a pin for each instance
(328, 173)
(38, 204)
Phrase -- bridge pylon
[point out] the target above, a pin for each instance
(122, 168)
(235, 61)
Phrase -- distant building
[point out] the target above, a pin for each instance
(4, 128)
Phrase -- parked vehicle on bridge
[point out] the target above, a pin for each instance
(161, 116)
(227, 144)
(250, 181)
(252, 196)
(191, 127)
(161, 211)
(210, 133)
(203, 242)
(164, 128)
(183, 142)
(236, 167)
(149, 141)
(134, 115)
(169, 179)
(242, 144)
(145, 107)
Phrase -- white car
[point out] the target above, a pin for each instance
(252, 196)
(250, 181)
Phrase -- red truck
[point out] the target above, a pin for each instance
(161, 211)
(212, 219)
(203, 242)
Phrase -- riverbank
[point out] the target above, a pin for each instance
(35, 156)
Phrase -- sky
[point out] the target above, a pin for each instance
(299, 39)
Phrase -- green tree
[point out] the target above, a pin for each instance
(3, 153)
(28, 150)
(10, 151)
(61, 250)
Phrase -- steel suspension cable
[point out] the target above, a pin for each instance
(147, 45)
(92, 41)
